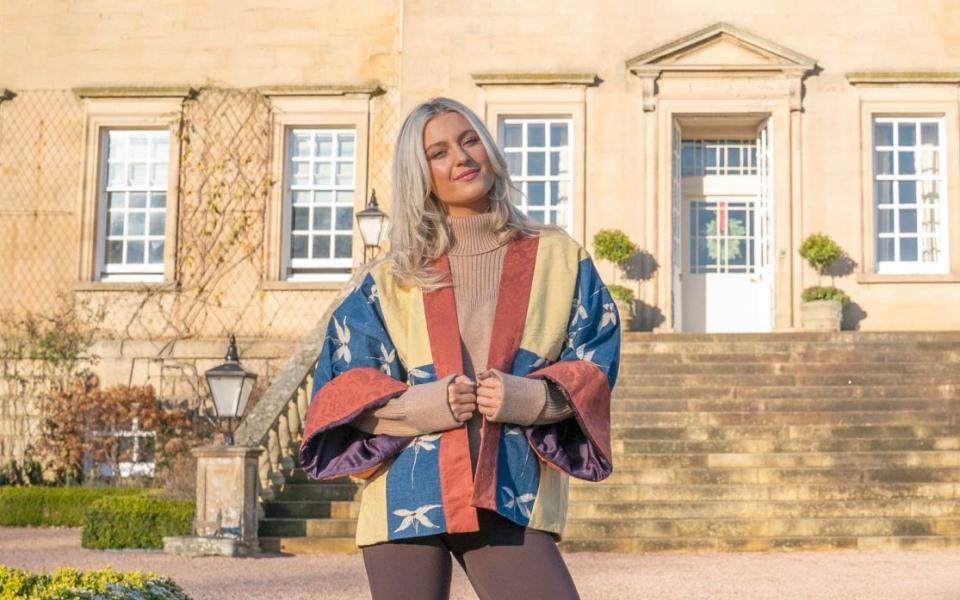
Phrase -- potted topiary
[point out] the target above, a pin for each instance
(615, 246)
(822, 306)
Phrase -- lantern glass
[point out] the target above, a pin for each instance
(371, 227)
(230, 387)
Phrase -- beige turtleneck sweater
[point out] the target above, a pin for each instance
(476, 261)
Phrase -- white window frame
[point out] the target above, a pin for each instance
(314, 269)
(313, 108)
(941, 265)
(524, 179)
(109, 109)
(125, 272)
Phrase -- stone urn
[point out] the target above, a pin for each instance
(821, 315)
(625, 310)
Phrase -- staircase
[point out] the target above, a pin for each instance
(739, 442)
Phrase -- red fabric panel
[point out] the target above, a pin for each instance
(589, 392)
(350, 392)
(516, 280)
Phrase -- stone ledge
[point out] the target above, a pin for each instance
(586, 79)
(890, 77)
(116, 91)
(199, 545)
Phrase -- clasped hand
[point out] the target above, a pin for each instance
(484, 396)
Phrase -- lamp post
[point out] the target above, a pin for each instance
(230, 385)
(372, 222)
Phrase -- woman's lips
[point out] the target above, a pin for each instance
(469, 175)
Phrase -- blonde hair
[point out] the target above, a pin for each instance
(418, 228)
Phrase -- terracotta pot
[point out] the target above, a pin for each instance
(821, 315)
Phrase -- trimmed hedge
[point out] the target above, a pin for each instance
(39, 506)
(106, 584)
(135, 522)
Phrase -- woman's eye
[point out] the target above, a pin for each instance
(437, 155)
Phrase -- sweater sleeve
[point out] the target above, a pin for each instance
(421, 409)
(530, 401)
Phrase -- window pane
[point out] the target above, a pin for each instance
(345, 197)
(929, 160)
(883, 134)
(321, 246)
(885, 220)
(906, 161)
(342, 246)
(930, 134)
(908, 192)
(908, 221)
(345, 218)
(535, 193)
(115, 200)
(907, 134)
(138, 147)
(884, 190)
(137, 174)
(536, 215)
(733, 157)
(157, 219)
(158, 176)
(884, 163)
(908, 249)
(324, 196)
(301, 197)
(138, 199)
(514, 163)
(885, 249)
(299, 246)
(930, 220)
(321, 218)
(344, 173)
(300, 215)
(558, 134)
(512, 135)
(346, 148)
(161, 148)
(115, 252)
(301, 173)
(116, 145)
(158, 199)
(536, 135)
(156, 251)
(135, 252)
(116, 174)
(135, 224)
(322, 173)
(116, 222)
(325, 145)
(301, 145)
(535, 164)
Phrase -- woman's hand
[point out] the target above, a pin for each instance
(489, 393)
(462, 398)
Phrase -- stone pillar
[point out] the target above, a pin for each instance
(225, 522)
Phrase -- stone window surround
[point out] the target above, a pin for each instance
(888, 94)
(545, 95)
(126, 108)
(336, 106)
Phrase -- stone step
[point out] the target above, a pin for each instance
(637, 377)
(861, 356)
(786, 476)
(760, 544)
(308, 527)
(946, 390)
(772, 527)
(784, 419)
(632, 367)
(825, 460)
(899, 346)
(764, 509)
(285, 508)
(586, 491)
(620, 431)
(309, 545)
(780, 336)
(621, 447)
(624, 406)
(298, 487)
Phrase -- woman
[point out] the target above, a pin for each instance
(465, 376)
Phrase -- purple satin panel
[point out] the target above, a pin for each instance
(340, 449)
(565, 445)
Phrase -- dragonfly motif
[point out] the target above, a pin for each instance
(386, 358)
(520, 502)
(416, 517)
(582, 354)
(343, 338)
(609, 316)
(374, 294)
(543, 361)
(425, 442)
(418, 373)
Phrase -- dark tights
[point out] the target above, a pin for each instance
(502, 560)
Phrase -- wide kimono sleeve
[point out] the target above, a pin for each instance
(357, 370)
(585, 373)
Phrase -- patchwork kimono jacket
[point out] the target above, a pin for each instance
(554, 320)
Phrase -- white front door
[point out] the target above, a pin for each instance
(724, 211)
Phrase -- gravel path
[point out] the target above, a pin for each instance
(836, 575)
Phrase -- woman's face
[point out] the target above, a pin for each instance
(460, 172)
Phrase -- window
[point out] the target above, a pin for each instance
(909, 193)
(719, 157)
(134, 165)
(539, 154)
(320, 191)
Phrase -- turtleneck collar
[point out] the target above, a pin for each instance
(473, 234)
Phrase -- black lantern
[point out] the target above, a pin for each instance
(230, 386)
(373, 223)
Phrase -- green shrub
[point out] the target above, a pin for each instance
(824, 293)
(820, 251)
(621, 293)
(613, 245)
(105, 584)
(40, 506)
(135, 522)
